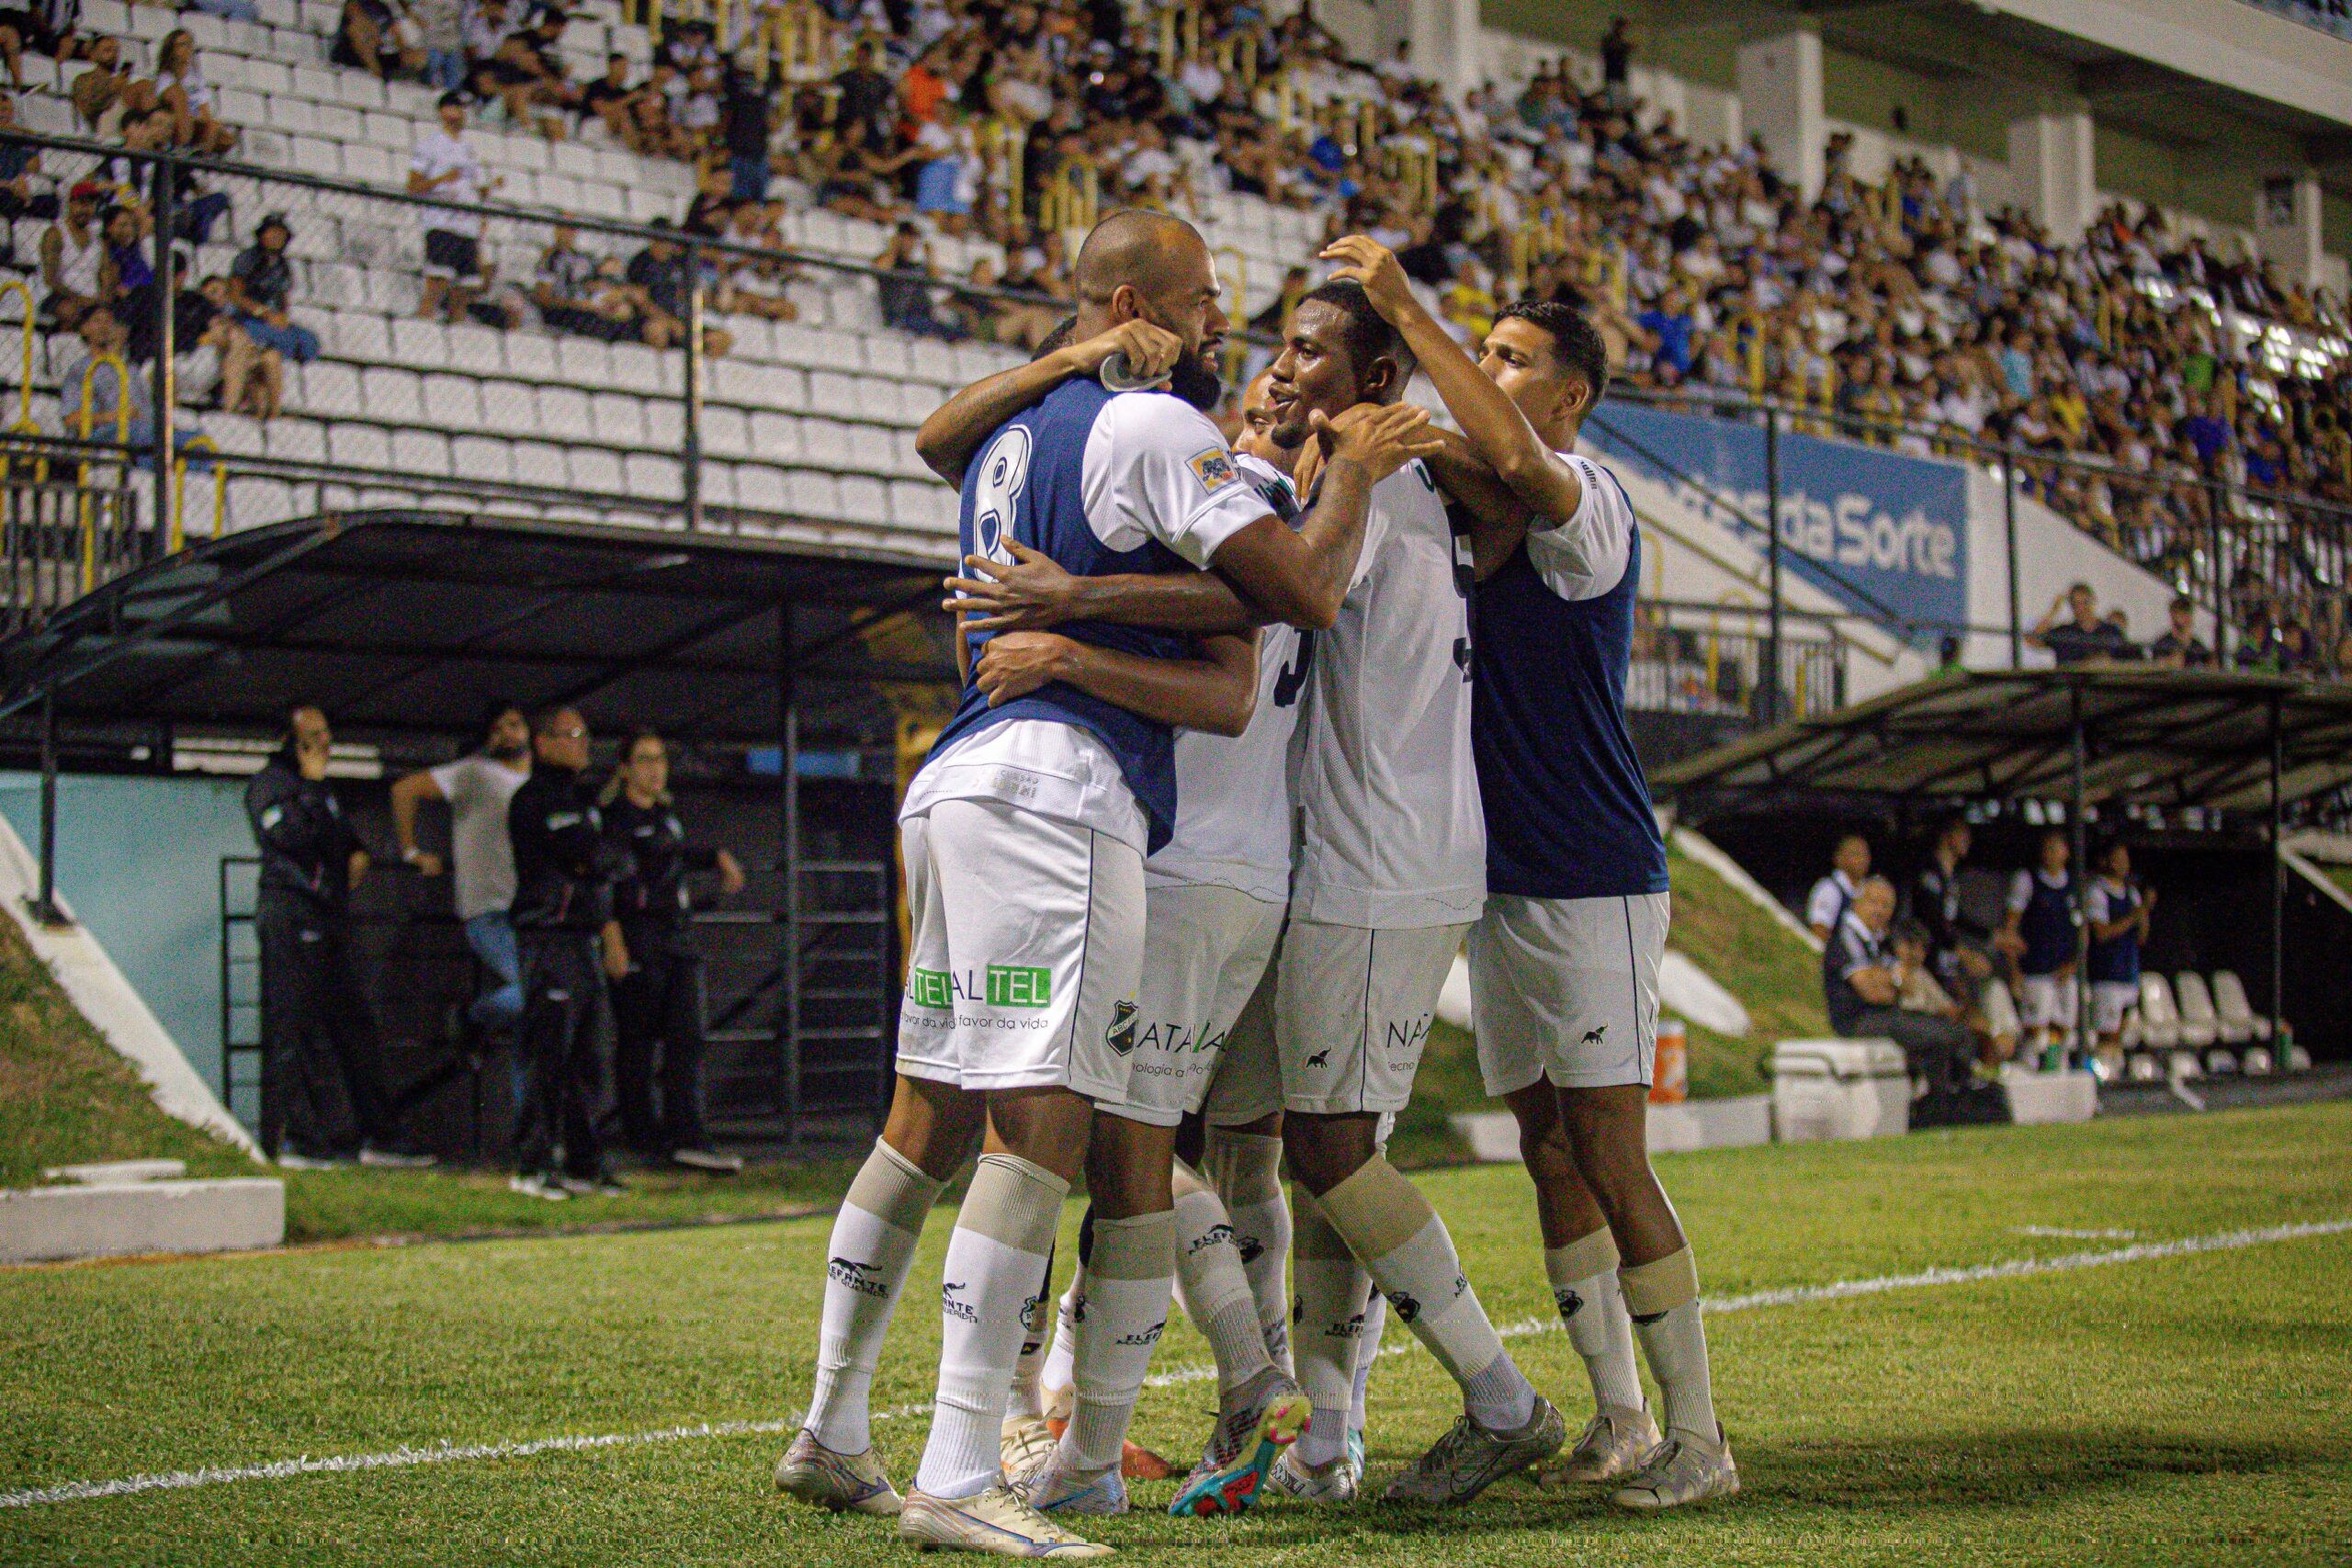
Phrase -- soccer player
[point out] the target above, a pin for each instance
(1391, 871)
(2119, 910)
(2038, 932)
(1024, 836)
(1563, 960)
(1217, 893)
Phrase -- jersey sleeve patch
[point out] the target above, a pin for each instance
(1213, 467)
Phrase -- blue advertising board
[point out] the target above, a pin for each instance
(1886, 533)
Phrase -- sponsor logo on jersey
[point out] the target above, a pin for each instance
(1019, 986)
(1405, 1034)
(951, 1303)
(931, 988)
(1121, 1035)
(1213, 467)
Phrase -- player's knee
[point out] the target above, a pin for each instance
(1327, 1150)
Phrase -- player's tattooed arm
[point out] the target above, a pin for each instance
(1030, 592)
(1216, 693)
(1302, 575)
(952, 436)
(1493, 423)
(1497, 517)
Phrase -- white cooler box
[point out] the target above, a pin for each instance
(1839, 1088)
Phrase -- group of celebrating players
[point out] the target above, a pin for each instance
(1250, 741)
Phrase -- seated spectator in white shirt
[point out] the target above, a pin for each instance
(1834, 894)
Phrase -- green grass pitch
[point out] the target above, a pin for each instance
(2188, 1408)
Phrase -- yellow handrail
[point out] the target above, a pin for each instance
(84, 420)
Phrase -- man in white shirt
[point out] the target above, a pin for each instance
(477, 787)
(446, 165)
(1023, 839)
(1834, 894)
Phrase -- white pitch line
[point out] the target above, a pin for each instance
(2067, 1232)
(1797, 1295)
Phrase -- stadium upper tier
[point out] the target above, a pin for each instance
(812, 418)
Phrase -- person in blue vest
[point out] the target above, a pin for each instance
(1564, 958)
(2039, 935)
(1023, 837)
(2118, 908)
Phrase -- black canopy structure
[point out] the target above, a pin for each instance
(406, 624)
(2083, 736)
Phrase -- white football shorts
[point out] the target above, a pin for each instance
(2110, 1000)
(1566, 989)
(2046, 1001)
(1028, 949)
(1352, 1010)
(1207, 948)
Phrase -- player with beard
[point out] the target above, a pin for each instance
(1390, 873)
(1563, 963)
(1023, 837)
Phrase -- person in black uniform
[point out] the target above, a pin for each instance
(570, 944)
(323, 1093)
(1960, 950)
(658, 1004)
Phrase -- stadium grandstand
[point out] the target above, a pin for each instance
(566, 565)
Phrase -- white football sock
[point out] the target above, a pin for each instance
(1584, 1287)
(1028, 1397)
(1399, 1237)
(1663, 1297)
(873, 1243)
(1246, 1171)
(1054, 1378)
(1128, 1275)
(1214, 1288)
(994, 1261)
(1332, 1289)
(1375, 1320)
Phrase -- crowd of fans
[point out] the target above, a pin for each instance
(1905, 312)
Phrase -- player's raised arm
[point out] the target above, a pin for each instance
(1492, 424)
(951, 437)
(1215, 693)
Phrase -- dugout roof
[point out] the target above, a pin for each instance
(2162, 737)
(410, 622)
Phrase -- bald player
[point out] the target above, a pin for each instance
(1024, 836)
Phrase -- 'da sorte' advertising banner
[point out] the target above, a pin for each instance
(1887, 534)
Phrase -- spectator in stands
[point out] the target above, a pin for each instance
(92, 388)
(526, 74)
(127, 283)
(610, 99)
(478, 787)
(1834, 894)
(445, 164)
(570, 947)
(1617, 64)
(98, 91)
(2118, 912)
(576, 292)
(747, 124)
(73, 260)
(261, 283)
(2180, 647)
(380, 37)
(756, 287)
(905, 295)
(863, 100)
(1862, 982)
(19, 166)
(441, 34)
(661, 273)
(2039, 936)
(2074, 632)
(657, 1006)
(45, 27)
(325, 1095)
(181, 88)
(219, 365)
(195, 207)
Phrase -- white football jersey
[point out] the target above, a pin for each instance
(1390, 831)
(1233, 816)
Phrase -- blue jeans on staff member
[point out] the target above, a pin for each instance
(299, 345)
(748, 174)
(491, 937)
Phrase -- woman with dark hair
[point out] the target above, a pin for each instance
(658, 1005)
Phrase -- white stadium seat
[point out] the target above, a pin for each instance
(2230, 1001)
(396, 397)
(540, 463)
(530, 358)
(563, 414)
(359, 446)
(593, 468)
(478, 349)
(421, 452)
(618, 418)
(584, 360)
(293, 439)
(864, 500)
(329, 388)
(813, 495)
(2159, 1019)
(453, 402)
(778, 437)
(652, 477)
(2199, 1025)
(480, 458)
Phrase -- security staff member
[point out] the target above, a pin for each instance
(323, 1093)
(659, 1003)
(562, 912)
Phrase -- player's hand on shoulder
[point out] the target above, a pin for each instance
(1027, 593)
(1151, 351)
(1383, 439)
(1368, 262)
(1014, 664)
